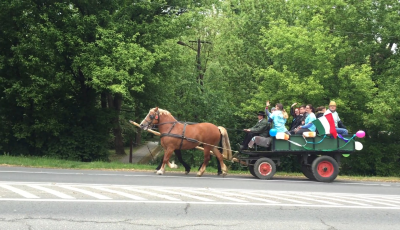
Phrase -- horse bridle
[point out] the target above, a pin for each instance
(157, 117)
(152, 118)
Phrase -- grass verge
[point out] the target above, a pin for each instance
(43, 162)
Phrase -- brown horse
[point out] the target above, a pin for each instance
(176, 135)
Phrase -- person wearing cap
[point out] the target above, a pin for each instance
(260, 129)
(340, 128)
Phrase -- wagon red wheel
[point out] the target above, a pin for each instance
(325, 169)
(306, 167)
(264, 168)
(306, 170)
(251, 168)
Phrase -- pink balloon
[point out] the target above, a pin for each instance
(360, 134)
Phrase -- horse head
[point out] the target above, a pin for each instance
(152, 118)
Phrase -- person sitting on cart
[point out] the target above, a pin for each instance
(308, 126)
(273, 109)
(260, 129)
(261, 140)
(278, 117)
(300, 120)
(340, 128)
(295, 112)
(320, 111)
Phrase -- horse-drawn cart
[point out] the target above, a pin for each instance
(319, 156)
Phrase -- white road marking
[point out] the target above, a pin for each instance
(199, 195)
(151, 193)
(340, 200)
(232, 193)
(19, 191)
(51, 191)
(212, 193)
(387, 199)
(95, 195)
(368, 201)
(185, 195)
(276, 197)
(303, 197)
(384, 199)
(120, 193)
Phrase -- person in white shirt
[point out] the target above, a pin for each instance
(340, 128)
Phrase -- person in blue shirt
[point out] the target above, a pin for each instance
(278, 117)
(308, 125)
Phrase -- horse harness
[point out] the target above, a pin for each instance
(169, 134)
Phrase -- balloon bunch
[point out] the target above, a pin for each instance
(358, 145)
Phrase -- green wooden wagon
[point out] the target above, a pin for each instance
(319, 156)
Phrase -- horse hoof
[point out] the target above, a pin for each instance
(199, 174)
(186, 172)
(155, 171)
(159, 172)
(224, 174)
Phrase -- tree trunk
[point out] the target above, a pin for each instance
(115, 102)
(103, 100)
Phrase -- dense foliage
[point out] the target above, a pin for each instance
(73, 72)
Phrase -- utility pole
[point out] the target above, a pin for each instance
(200, 70)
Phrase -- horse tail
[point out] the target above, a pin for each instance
(226, 145)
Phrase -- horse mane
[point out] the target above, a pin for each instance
(161, 111)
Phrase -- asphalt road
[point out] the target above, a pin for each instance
(33, 198)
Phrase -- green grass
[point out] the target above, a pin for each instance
(43, 162)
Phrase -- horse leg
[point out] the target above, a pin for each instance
(159, 166)
(167, 155)
(219, 167)
(179, 155)
(206, 160)
(169, 165)
(222, 167)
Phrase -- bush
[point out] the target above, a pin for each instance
(379, 157)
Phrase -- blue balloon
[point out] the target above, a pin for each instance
(272, 132)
